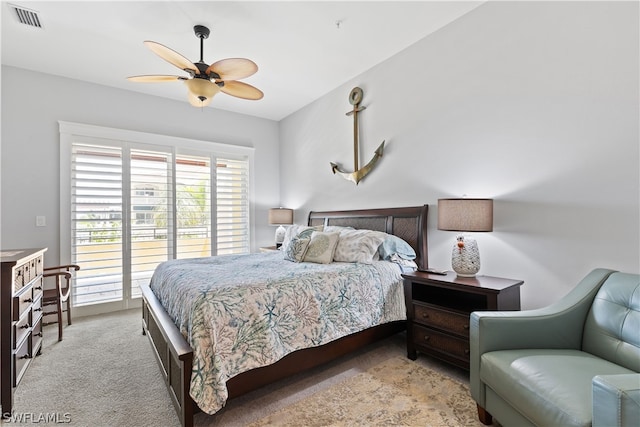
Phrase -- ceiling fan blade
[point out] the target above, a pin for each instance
(172, 57)
(241, 90)
(233, 68)
(154, 78)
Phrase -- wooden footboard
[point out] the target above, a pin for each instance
(173, 353)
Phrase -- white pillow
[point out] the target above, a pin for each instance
(321, 247)
(295, 230)
(358, 246)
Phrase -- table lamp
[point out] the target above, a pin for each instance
(465, 215)
(280, 217)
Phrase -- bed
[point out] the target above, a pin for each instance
(176, 357)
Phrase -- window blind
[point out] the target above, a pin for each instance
(232, 206)
(96, 222)
(151, 201)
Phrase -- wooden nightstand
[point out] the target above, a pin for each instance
(438, 310)
(268, 249)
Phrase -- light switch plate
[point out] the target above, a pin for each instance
(41, 221)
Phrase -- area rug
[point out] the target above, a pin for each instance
(394, 392)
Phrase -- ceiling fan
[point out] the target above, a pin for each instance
(205, 80)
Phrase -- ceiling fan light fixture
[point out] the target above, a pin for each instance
(201, 91)
(196, 102)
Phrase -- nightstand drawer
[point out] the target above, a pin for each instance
(441, 342)
(440, 318)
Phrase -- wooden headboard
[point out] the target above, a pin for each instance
(410, 224)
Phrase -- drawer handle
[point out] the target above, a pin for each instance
(39, 334)
(425, 315)
(427, 337)
(38, 288)
(467, 351)
(465, 327)
(26, 356)
(24, 327)
(28, 300)
(37, 309)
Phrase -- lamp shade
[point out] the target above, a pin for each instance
(280, 216)
(465, 214)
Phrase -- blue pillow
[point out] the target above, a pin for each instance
(395, 245)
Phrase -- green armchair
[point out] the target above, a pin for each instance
(573, 363)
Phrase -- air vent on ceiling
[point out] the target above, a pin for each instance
(27, 16)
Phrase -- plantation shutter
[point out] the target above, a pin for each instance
(96, 222)
(232, 206)
(151, 213)
(193, 206)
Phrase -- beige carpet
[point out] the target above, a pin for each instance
(394, 392)
(104, 374)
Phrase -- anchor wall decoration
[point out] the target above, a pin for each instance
(356, 176)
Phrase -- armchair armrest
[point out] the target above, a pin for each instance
(558, 325)
(616, 400)
(66, 267)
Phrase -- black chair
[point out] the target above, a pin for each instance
(60, 295)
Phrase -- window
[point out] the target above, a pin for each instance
(137, 200)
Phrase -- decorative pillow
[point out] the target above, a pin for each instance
(322, 247)
(358, 246)
(296, 249)
(296, 230)
(393, 245)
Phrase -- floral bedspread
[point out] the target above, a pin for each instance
(240, 312)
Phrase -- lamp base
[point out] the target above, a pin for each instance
(280, 232)
(465, 257)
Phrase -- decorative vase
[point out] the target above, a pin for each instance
(465, 257)
(280, 233)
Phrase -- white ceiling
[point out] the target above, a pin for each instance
(304, 49)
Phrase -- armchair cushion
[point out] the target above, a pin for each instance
(555, 383)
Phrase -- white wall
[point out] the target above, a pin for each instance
(32, 105)
(534, 104)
